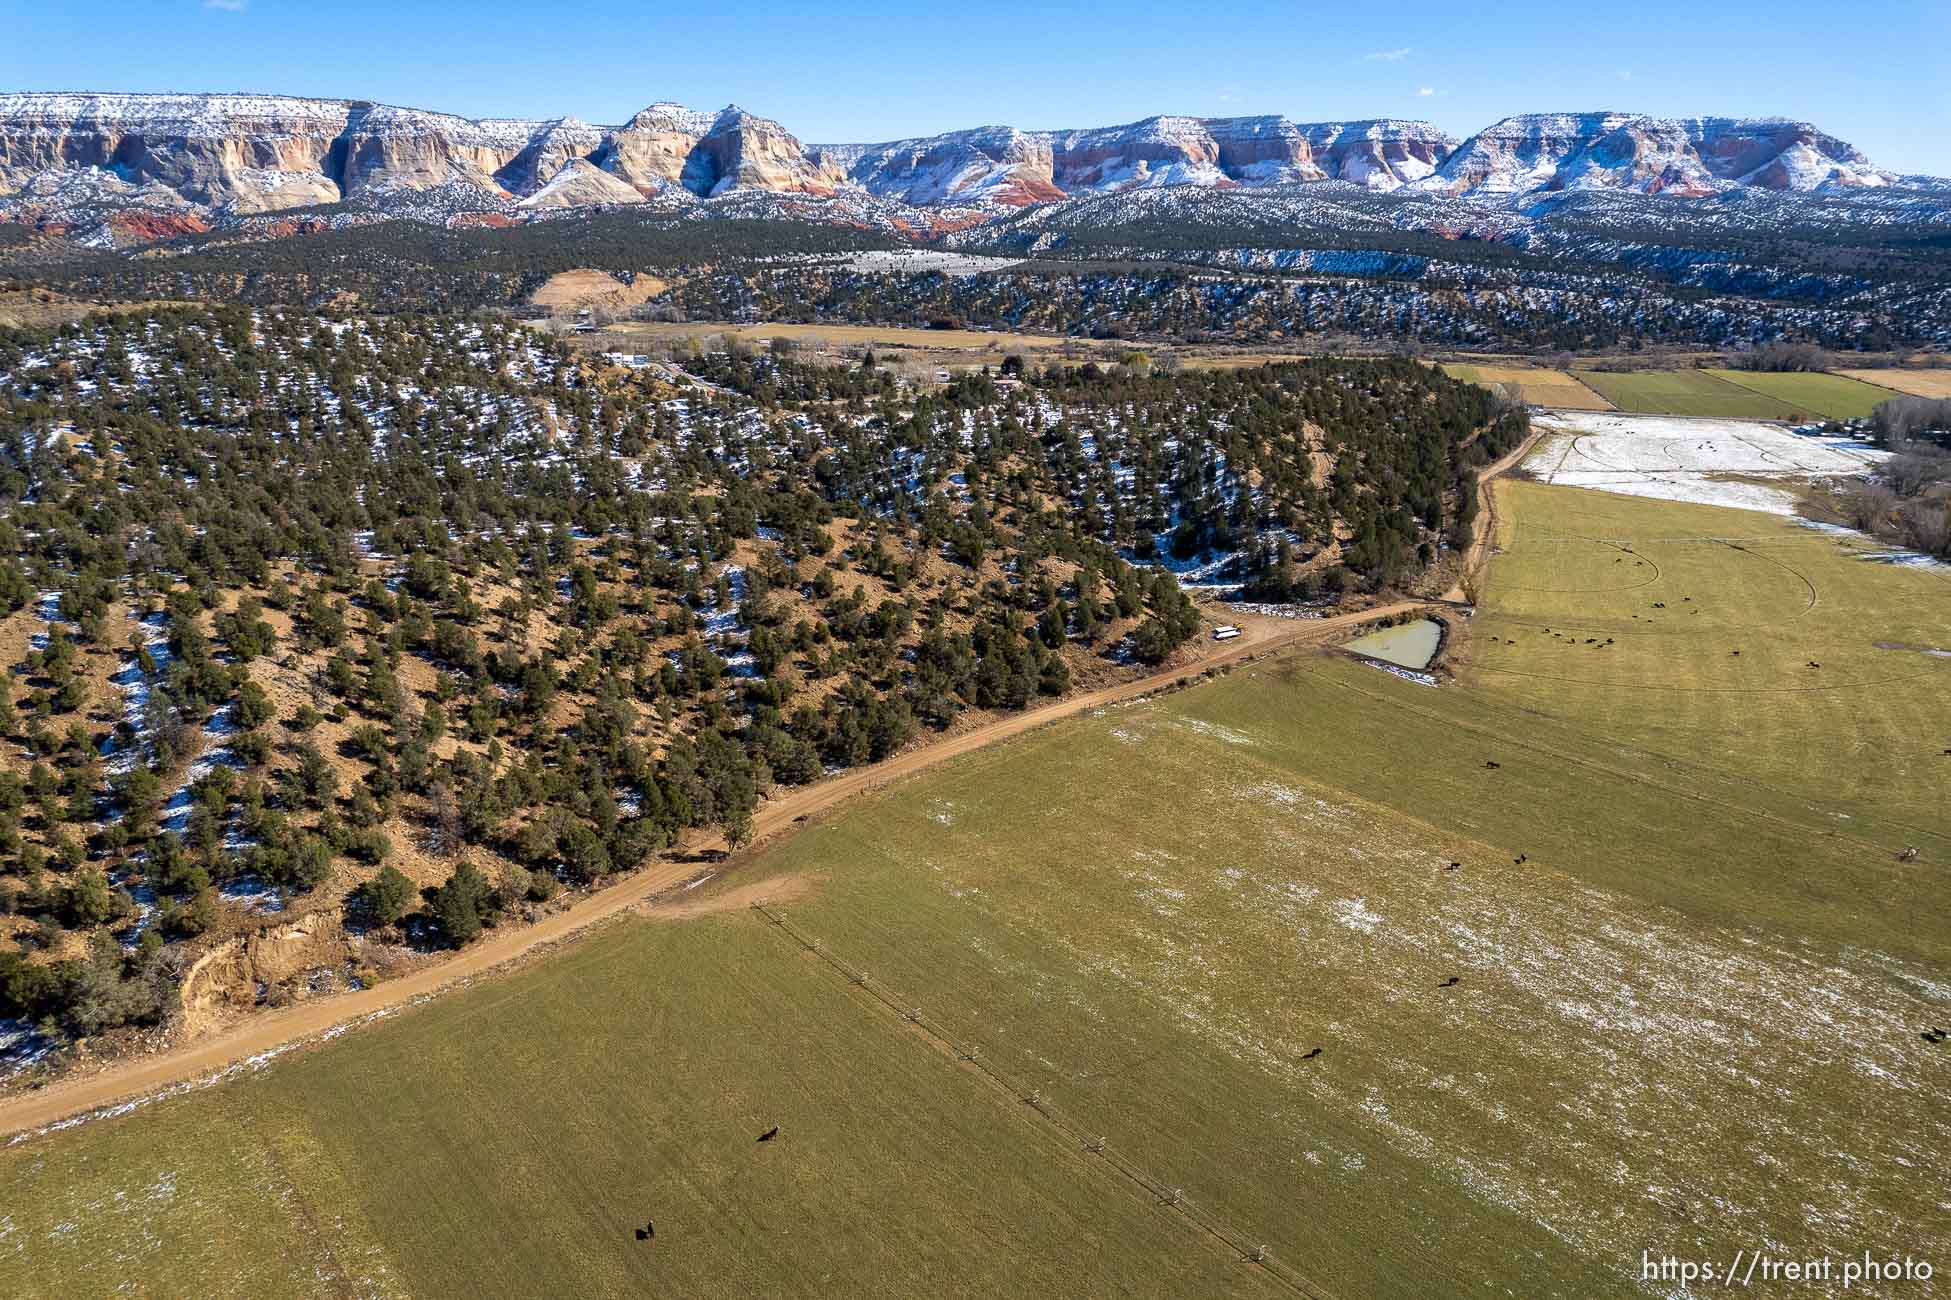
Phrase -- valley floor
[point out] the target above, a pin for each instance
(1608, 944)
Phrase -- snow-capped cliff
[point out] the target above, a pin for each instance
(1687, 157)
(215, 157)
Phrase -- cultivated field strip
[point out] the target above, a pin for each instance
(1684, 393)
(1916, 383)
(1832, 397)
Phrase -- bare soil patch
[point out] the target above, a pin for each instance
(771, 890)
(586, 288)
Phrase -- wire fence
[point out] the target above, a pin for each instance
(1257, 1254)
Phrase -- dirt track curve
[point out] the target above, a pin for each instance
(274, 1029)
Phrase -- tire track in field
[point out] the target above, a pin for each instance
(1564, 455)
(941, 1039)
(1767, 455)
(1640, 556)
(1578, 449)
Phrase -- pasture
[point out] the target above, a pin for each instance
(1683, 392)
(1833, 397)
(1676, 974)
(1744, 657)
(1539, 387)
(508, 1141)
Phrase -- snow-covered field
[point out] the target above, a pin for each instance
(1676, 459)
(921, 261)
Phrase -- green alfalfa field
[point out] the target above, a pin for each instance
(1687, 1021)
(1834, 397)
(1685, 392)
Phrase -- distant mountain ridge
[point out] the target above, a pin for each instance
(193, 158)
(1688, 157)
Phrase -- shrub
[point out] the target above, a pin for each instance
(385, 898)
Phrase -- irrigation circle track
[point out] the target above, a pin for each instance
(1733, 544)
(1666, 449)
(1578, 449)
(1639, 556)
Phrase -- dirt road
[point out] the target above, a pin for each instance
(263, 1032)
(1483, 529)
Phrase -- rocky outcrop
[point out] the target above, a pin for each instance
(743, 152)
(1156, 151)
(1681, 157)
(254, 152)
(580, 183)
(651, 151)
(409, 149)
(1004, 165)
(1381, 155)
(546, 153)
(991, 164)
(668, 146)
(1264, 150)
(231, 977)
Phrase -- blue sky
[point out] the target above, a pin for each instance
(1870, 72)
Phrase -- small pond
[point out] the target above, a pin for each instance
(1406, 645)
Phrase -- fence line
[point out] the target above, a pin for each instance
(1172, 1197)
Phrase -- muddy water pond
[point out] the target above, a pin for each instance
(1406, 645)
